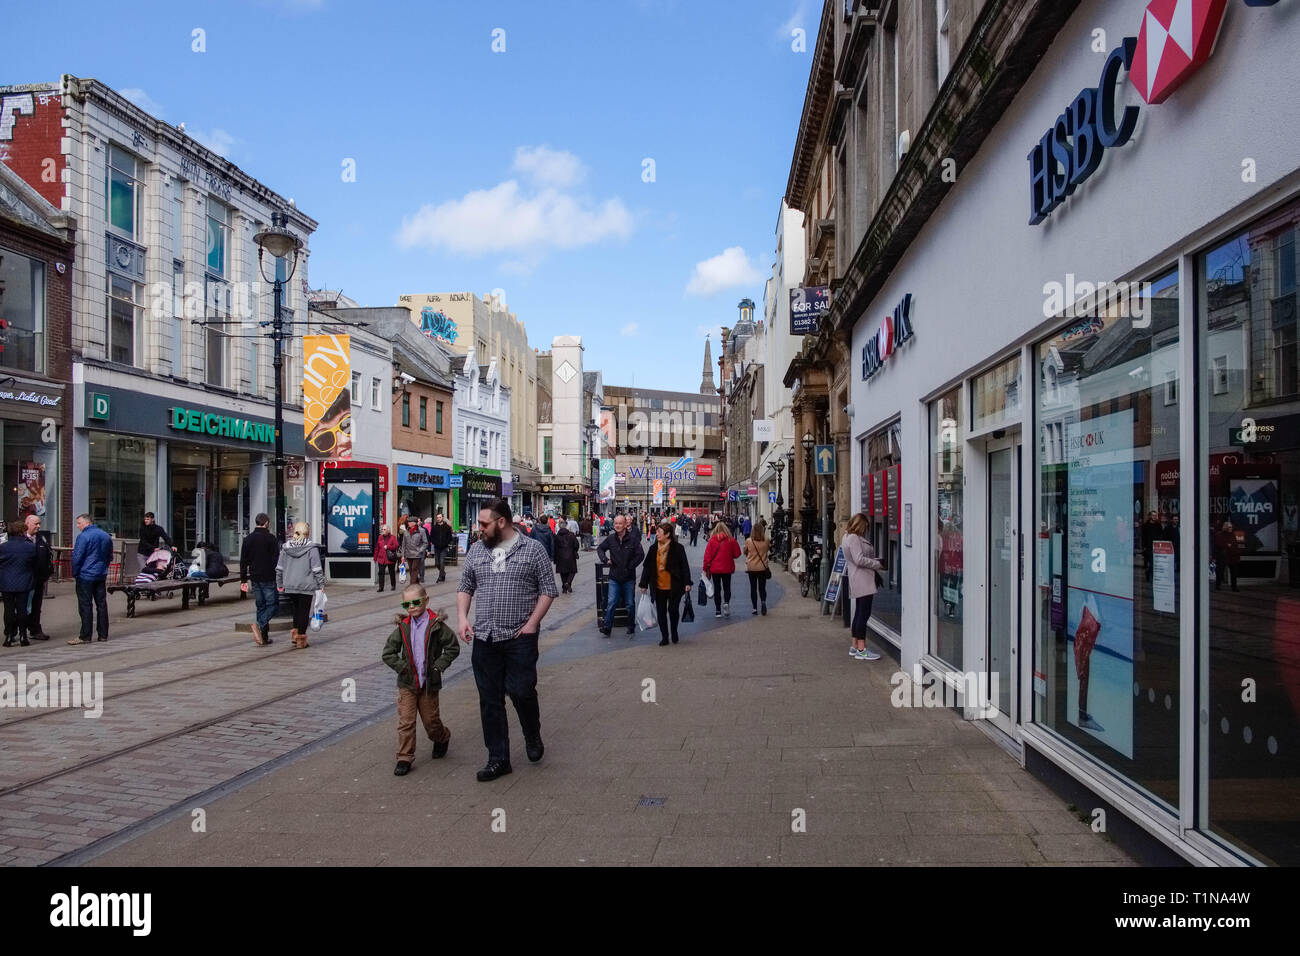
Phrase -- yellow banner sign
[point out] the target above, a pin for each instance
(327, 396)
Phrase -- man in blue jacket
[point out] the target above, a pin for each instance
(91, 556)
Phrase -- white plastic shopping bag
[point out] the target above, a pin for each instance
(401, 573)
(318, 610)
(645, 613)
(708, 586)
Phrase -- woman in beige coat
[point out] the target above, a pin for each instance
(860, 558)
(756, 548)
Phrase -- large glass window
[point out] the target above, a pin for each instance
(22, 306)
(31, 472)
(1106, 650)
(217, 337)
(218, 236)
(125, 320)
(406, 409)
(121, 470)
(438, 417)
(947, 479)
(882, 468)
(995, 396)
(1249, 772)
(546, 454)
(424, 414)
(124, 192)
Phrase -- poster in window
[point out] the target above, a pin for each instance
(31, 489)
(1253, 510)
(349, 518)
(1099, 570)
(895, 497)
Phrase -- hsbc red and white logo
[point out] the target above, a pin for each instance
(896, 330)
(1176, 38)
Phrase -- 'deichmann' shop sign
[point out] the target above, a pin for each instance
(222, 426)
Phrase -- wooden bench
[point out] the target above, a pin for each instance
(188, 586)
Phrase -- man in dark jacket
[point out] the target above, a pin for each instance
(622, 552)
(584, 529)
(540, 532)
(44, 570)
(17, 574)
(439, 539)
(152, 537)
(257, 560)
(91, 556)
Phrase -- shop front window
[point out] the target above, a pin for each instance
(22, 307)
(947, 581)
(31, 472)
(1249, 768)
(882, 469)
(1106, 623)
(122, 469)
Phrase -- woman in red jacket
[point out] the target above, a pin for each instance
(386, 557)
(720, 556)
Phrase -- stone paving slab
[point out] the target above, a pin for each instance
(765, 744)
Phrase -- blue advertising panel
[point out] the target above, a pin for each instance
(808, 304)
(349, 518)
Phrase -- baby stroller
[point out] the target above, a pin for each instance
(160, 565)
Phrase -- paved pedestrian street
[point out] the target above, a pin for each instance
(757, 740)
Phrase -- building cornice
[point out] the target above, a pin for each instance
(812, 122)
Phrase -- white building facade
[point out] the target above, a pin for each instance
(779, 347)
(481, 449)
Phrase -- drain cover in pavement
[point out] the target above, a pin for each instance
(651, 801)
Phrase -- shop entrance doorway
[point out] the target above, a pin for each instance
(1005, 561)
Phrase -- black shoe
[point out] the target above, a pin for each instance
(631, 632)
(23, 642)
(494, 769)
(101, 638)
(664, 642)
(9, 642)
(266, 639)
(604, 631)
(440, 749)
(402, 769)
(39, 636)
(674, 638)
(534, 748)
(765, 608)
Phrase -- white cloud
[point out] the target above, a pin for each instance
(549, 167)
(143, 100)
(728, 269)
(506, 218)
(629, 330)
(798, 18)
(215, 139)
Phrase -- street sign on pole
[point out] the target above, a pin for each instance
(824, 456)
(771, 496)
(733, 495)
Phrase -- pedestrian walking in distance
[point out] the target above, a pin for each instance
(622, 552)
(510, 580)
(91, 556)
(17, 577)
(566, 558)
(415, 545)
(439, 539)
(386, 558)
(258, 557)
(860, 557)
(720, 556)
(298, 573)
(44, 570)
(756, 551)
(420, 649)
(666, 576)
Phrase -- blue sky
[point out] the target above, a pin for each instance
(478, 170)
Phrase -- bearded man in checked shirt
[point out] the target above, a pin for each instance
(512, 583)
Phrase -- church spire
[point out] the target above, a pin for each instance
(706, 384)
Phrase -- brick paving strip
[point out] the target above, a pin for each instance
(753, 725)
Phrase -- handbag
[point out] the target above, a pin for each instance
(880, 582)
(391, 554)
(688, 611)
(701, 598)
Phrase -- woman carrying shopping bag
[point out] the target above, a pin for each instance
(299, 574)
(720, 564)
(666, 576)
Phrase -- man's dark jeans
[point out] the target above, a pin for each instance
(267, 598)
(440, 562)
(621, 592)
(88, 591)
(501, 668)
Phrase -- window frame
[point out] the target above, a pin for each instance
(39, 307)
(136, 186)
(406, 409)
(424, 413)
(222, 231)
(137, 319)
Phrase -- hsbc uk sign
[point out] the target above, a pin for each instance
(895, 331)
(1176, 38)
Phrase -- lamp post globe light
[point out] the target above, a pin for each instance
(648, 462)
(778, 515)
(281, 244)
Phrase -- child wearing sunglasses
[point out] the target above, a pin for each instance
(420, 648)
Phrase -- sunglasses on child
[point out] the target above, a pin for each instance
(410, 604)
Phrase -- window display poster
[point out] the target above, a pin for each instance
(1252, 507)
(31, 489)
(1162, 576)
(349, 518)
(1099, 593)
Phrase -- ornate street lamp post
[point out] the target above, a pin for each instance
(808, 512)
(778, 516)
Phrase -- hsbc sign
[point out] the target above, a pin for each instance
(1175, 38)
(895, 331)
